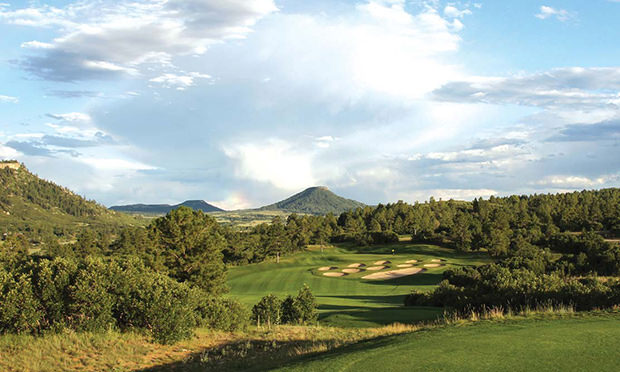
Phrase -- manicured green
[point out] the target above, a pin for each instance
(349, 300)
(578, 343)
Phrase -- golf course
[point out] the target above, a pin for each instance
(338, 277)
(571, 343)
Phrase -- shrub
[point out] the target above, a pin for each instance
(267, 311)
(91, 298)
(20, 312)
(307, 303)
(224, 314)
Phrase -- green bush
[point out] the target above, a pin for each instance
(91, 300)
(224, 314)
(20, 311)
(267, 311)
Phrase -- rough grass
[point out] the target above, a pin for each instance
(350, 301)
(208, 350)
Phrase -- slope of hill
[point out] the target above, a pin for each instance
(198, 205)
(37, 207)
(315, 200)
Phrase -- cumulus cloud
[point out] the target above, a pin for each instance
(562, 15)
(102, 39)
(276, 162)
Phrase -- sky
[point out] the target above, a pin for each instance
(245, 102)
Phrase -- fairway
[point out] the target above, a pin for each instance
(350, 300)
(571, 344)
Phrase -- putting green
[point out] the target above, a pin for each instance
(350, 300)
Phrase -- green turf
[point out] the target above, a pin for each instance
(572, 344)
(350, 301)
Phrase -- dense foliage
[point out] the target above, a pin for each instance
(301, 309)
(97, 293)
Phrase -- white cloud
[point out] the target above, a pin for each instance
(453, 12)
(8, 152)
(36, 45)
(575, 182)
(8, 99)
(276, 162)
(179, 82)
(562, 15)
(100, 39)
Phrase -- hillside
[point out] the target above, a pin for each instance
(198, 205)
(38, 207)
(315, 200)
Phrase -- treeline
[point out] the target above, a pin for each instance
(585, 276)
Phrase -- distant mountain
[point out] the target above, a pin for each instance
(315, 200)
(198, 205)
(38, 207)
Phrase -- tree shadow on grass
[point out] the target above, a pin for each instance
(261, 355)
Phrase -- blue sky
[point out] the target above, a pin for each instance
(243, 102)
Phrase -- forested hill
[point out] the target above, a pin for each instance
(38, 207)
(197, 205)
(315, 200)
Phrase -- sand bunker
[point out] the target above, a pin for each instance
(333, 273)
(382, 262)
(356, 265)
(392, 274)
(327, 268)
(437, 260)
(404, 265)
(412, 261)
(375, 268)
(433, 265)
(351, 271)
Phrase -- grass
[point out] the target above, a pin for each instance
(208, 350)
(350, 301)
(569, 342)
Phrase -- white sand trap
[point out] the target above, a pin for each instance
(333, 273)
(437, 260)
(393, 274)
(382, 262)
(433, 265)
(412, 261)
(351, 271)
(327, 268)
(404, 265)
(356, 265)
(375, 268)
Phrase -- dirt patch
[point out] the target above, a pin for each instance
(411, 261)
(333, 273)
(351, 271)
(437, 260)
(327, 268)
(376, 268)
(382, 262)
(433, 265)
(392, 274)
(404, 265)
(356, 265)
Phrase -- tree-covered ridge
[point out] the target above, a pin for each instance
(197, 205)
(315, 200)
(44, 211)
(28, 187)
